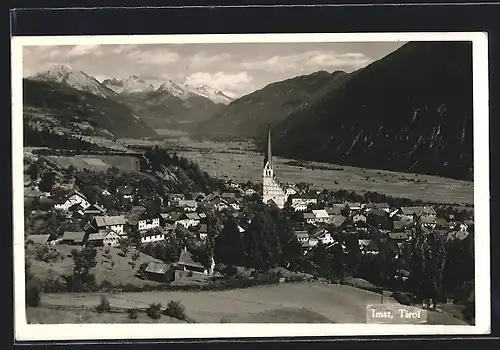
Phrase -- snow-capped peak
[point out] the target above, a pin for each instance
(67, 75)
(184, 91)
(128, 85)
(212, 94)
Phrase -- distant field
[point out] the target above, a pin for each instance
(297, 302)
(241, 165)
(97, 163)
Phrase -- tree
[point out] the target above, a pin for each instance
(33, 170)
(427, 261)
(47, 182)
(352, 254)
(84, 262)
(228, 249)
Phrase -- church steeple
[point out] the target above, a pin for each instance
(269, 157)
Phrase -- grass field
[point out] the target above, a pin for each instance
(97, 163)
(48, 316)
(242, 165)
(297, 302)
(110, 267)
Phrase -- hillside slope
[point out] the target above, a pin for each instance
(248, 116)
(410, 111)
(67, 104)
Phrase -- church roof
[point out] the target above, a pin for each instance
(268, 156)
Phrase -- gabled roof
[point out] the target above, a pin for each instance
(411, 210)
(309, 216)
(338, 220)
(102, 221)
(441, 222)
(39, 239)
(186, 258)
(334, 210)
(94, 207)
(190, 216)
(321, 213)
(428, 219)
(97, 236)
(399, 225)
(125, 190)
(301, 234)
(74, 236)
(203, 228)
(186, 203)
(398, 235)
(157, 267)
(378, 212)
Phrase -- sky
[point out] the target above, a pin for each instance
(238, 68)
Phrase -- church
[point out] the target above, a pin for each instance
(272, 189)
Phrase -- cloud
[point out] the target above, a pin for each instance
(157, 57)
(83, 50)
(310, 59)
(220, 80)
(202, 59)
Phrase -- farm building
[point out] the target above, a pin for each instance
(186, 263)
(115, 223)
(159, 272)
(74, 238)
(72, 198)
(40, 239)
(94, 209)
(109, 238)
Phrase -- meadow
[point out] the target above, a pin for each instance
(284, 303)
(97, 163)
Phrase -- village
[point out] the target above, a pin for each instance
(315, 218)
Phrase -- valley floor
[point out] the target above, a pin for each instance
(237, 161)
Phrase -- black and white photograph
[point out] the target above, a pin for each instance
(211, 185)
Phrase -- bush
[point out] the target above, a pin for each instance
(224, 320)
(104, 305)
(32, 294)
(175, 309)
(154, 311)
(133, 314)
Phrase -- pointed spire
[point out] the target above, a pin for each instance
(269, 157)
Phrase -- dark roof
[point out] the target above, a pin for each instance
(309, 216)
(127, 190)
(399, 225)
(97, 236)
(109, 220)
(186, 258)
(74, 236)
(378, 212)
(398, 235)
(38, 239)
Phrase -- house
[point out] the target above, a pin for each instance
(126, 192)
(302, 236)
(184, 204)
(74, 238)
(219, 203)
(310, 243)
(354, 206)
(105, 192)
(399, 236)
(442, 223)
(381, 206)
(250, 192)
(332, 211)
(152, 236)
(358, 217)
(72, 198)
(188, 220)
(399, 225)
(459, 235)
(94, 209)
(186, 263)
(301, 203)
(368, 246)
(169, 218)
(171, 197)
(199, 197)
(159, 272)
(291, 190)
(203, 232)
(233, 203)
(322, 234)
(40, 239)
(147, 222)
(321, 215)
(337, 220)
(428, 220)
(109, 239)
(232, 184)
(115, 223)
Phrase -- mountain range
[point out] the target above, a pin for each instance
(409, 111)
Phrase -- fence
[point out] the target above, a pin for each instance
(112, 309)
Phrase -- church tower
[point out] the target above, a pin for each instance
(271, 188)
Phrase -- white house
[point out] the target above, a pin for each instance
(305, 201)
(152, 236)
(233, 203)
(359, 217)
(232, 184)
(148, 224)
(73, 198)
(291, 190)
(323, 235)
(115, 223)
(219, 203)
(250, 192)
(188, 220)
(299, 206)
(321, 215)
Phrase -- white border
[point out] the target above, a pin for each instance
(62, 332)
